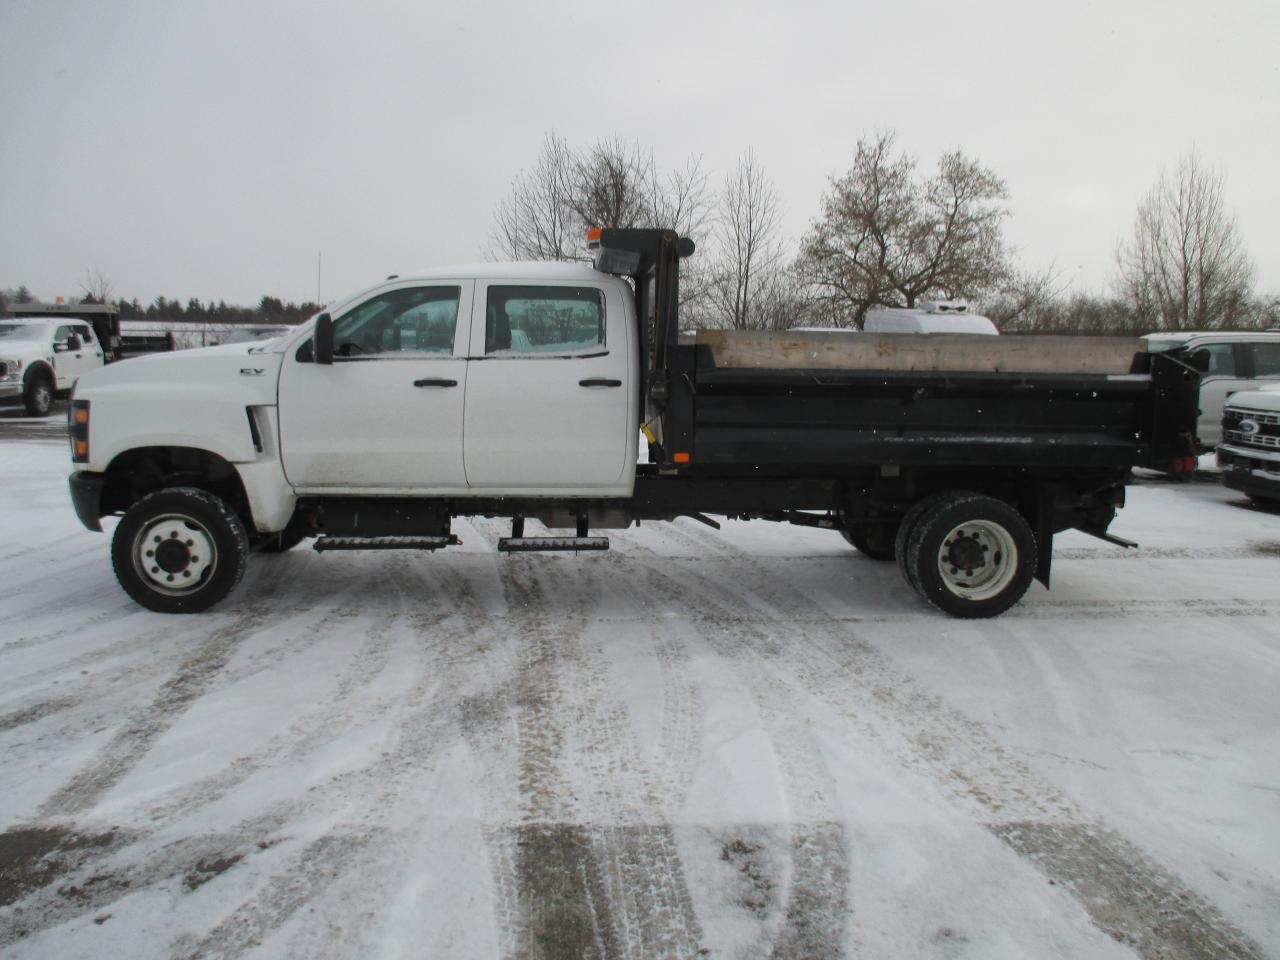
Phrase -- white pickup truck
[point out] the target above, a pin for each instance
(1249, 453)
(520, 391)
(42, 358)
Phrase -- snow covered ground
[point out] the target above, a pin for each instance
(751, 743)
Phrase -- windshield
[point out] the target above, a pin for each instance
(18, 331)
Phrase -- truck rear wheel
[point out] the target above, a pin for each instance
(971, 556)
(179, 550)
(908, 524)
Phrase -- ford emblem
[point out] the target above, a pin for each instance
(1249, 427)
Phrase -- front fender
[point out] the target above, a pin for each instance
(213, 417)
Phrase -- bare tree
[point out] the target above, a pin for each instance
(1026, 302)
(96, 287)
(748, 256)
(1185, 267)
(613, 183)
(887, 237)
(537, 220)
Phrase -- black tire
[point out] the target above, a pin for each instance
(909, 521)
(206, 559)
(37, 394)
(875, 540)
(280, 542)
(971, 556)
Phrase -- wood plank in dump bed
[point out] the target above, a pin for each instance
(764, 349)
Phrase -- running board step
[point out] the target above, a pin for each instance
(385, 543)
(545, 544)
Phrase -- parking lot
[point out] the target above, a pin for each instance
(750, 742)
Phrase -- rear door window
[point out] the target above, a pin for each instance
(1217, 359)
(544, 321)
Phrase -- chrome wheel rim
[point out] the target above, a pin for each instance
(174, 554)
(977, 560)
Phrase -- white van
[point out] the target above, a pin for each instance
(942, 316)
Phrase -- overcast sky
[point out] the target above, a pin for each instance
(214, 149)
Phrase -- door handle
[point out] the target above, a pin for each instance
(435, 382)
(599, 382)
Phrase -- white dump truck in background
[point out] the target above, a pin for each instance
(40, 359)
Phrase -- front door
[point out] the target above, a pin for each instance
(386, 416)
(549, 394)
(1222, 377)
(68, 363)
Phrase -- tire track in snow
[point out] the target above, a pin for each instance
(1126, 893)
(566, 888)
(287, 892)
(383, 784)
(196, 674)
(812, 915)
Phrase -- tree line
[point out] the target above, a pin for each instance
(96, 289)
(888, 233)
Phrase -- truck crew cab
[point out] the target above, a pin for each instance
(520, 391)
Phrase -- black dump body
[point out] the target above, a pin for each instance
(859, 426)
(832, 421)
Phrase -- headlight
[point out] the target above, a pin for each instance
(10, 369)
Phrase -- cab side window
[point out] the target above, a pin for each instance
(406, 323)
(1217, 360)
(1266, 359)
(546, 321)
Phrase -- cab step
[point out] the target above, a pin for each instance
(547, 544)
(385, 543)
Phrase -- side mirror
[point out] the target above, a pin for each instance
(1199, 361)
(322, 338)
(59, 346)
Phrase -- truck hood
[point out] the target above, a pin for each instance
(242, 367)
(1264, 398)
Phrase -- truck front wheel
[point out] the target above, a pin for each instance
(37, 396)
(179, 550)
(971, 556)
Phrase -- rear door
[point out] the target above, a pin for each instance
(386, 416)
(550, 406)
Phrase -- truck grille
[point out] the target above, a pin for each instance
(1252, 428)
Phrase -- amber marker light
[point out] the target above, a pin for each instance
(680, 458)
